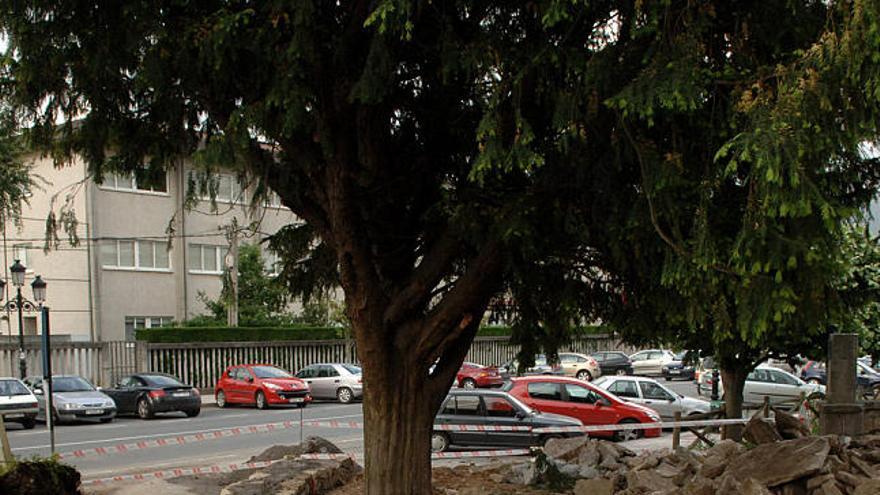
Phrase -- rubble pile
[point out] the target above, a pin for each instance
(289, 475)
(826, 465)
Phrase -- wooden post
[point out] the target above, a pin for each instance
(7, 457)
(766, 406)
(676, 432)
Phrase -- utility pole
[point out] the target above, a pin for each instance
(232, 267)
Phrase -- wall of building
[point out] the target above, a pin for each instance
(65, 269)
(93, 298)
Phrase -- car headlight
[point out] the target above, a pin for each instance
(654, 416)
(109, 403)
(274, 386)
(67, 406)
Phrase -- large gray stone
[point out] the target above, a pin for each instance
(648, 481)
(295, 477)
(774, 464)
(567, 449)
(598, 486)
(311, 445)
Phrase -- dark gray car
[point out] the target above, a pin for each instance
(493, 408)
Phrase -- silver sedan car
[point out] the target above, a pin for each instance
(342, 382)
(74, 399)
(650, 393)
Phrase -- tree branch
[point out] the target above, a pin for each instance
(417, 291)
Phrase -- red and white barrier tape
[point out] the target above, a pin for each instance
(271, 427)
(448, 427)
(435, 455)
(201, 437)
(177, 472)
(641, 426)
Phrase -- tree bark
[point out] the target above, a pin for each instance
(734, 382)
(398, 420)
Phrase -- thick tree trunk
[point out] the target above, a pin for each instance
(734, 381)
(397, 440)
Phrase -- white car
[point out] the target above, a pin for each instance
(781, 387)
(17, 403)
(648, 392)
(651, 361)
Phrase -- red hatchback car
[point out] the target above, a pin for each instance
(472, 375)
(584, 401)
(261, 385)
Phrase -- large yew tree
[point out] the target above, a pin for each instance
(560, 153)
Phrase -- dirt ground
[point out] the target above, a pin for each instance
(460, 480)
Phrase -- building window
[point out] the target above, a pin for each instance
(135, 255)
(227, 187)
(134, 323)
(20, 253)
(146, 181)
(274, 200)
(205, 258)
(271, 262)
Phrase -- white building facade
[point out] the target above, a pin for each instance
(144, 255)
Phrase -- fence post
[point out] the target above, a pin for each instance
(766, 407)
(676, 432)
(142, 357)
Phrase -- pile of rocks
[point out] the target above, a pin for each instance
(289, 475)
(826, 465)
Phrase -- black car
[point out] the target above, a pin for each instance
(681, 367)
(613, 362)
(146, 394)
(867, 378)
(495, 408)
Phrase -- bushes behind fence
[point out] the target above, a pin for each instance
(172, 335)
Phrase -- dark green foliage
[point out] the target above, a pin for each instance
(40, 477)
(16, 179)
(238, 334)
(262, 299)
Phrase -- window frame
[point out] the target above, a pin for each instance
(134, 189)
(136, 246)
(218, 254)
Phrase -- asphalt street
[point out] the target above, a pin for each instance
(126, 430)
(212, 451)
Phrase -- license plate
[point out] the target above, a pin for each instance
(674, 372)
(13, 416)
(296, 400)
(92, 412)
(180, 394)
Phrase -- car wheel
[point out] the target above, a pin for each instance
(221, 399)
(667, 378)
(439, 442)
(192, 413)
(814, 381)
(584, 375)
(344, 394)
(144, 410)
(260, 399)
(29, 423)
(468, 383)
(303, 405)
(621, 372)
(627, 435)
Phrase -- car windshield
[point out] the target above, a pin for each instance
(13, 387)
(679, 356)
(71, 384)
(162, 381)
(354, 370)
(525, 408)
(600, 382)
(270, 372)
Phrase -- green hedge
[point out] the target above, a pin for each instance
(258, 334)
(239, 334)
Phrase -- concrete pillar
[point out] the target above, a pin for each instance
(842, 414)
(843, 350)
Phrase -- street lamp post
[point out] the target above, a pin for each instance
(21, 304)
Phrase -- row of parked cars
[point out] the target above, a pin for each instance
(147, 394)
(75, 398)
